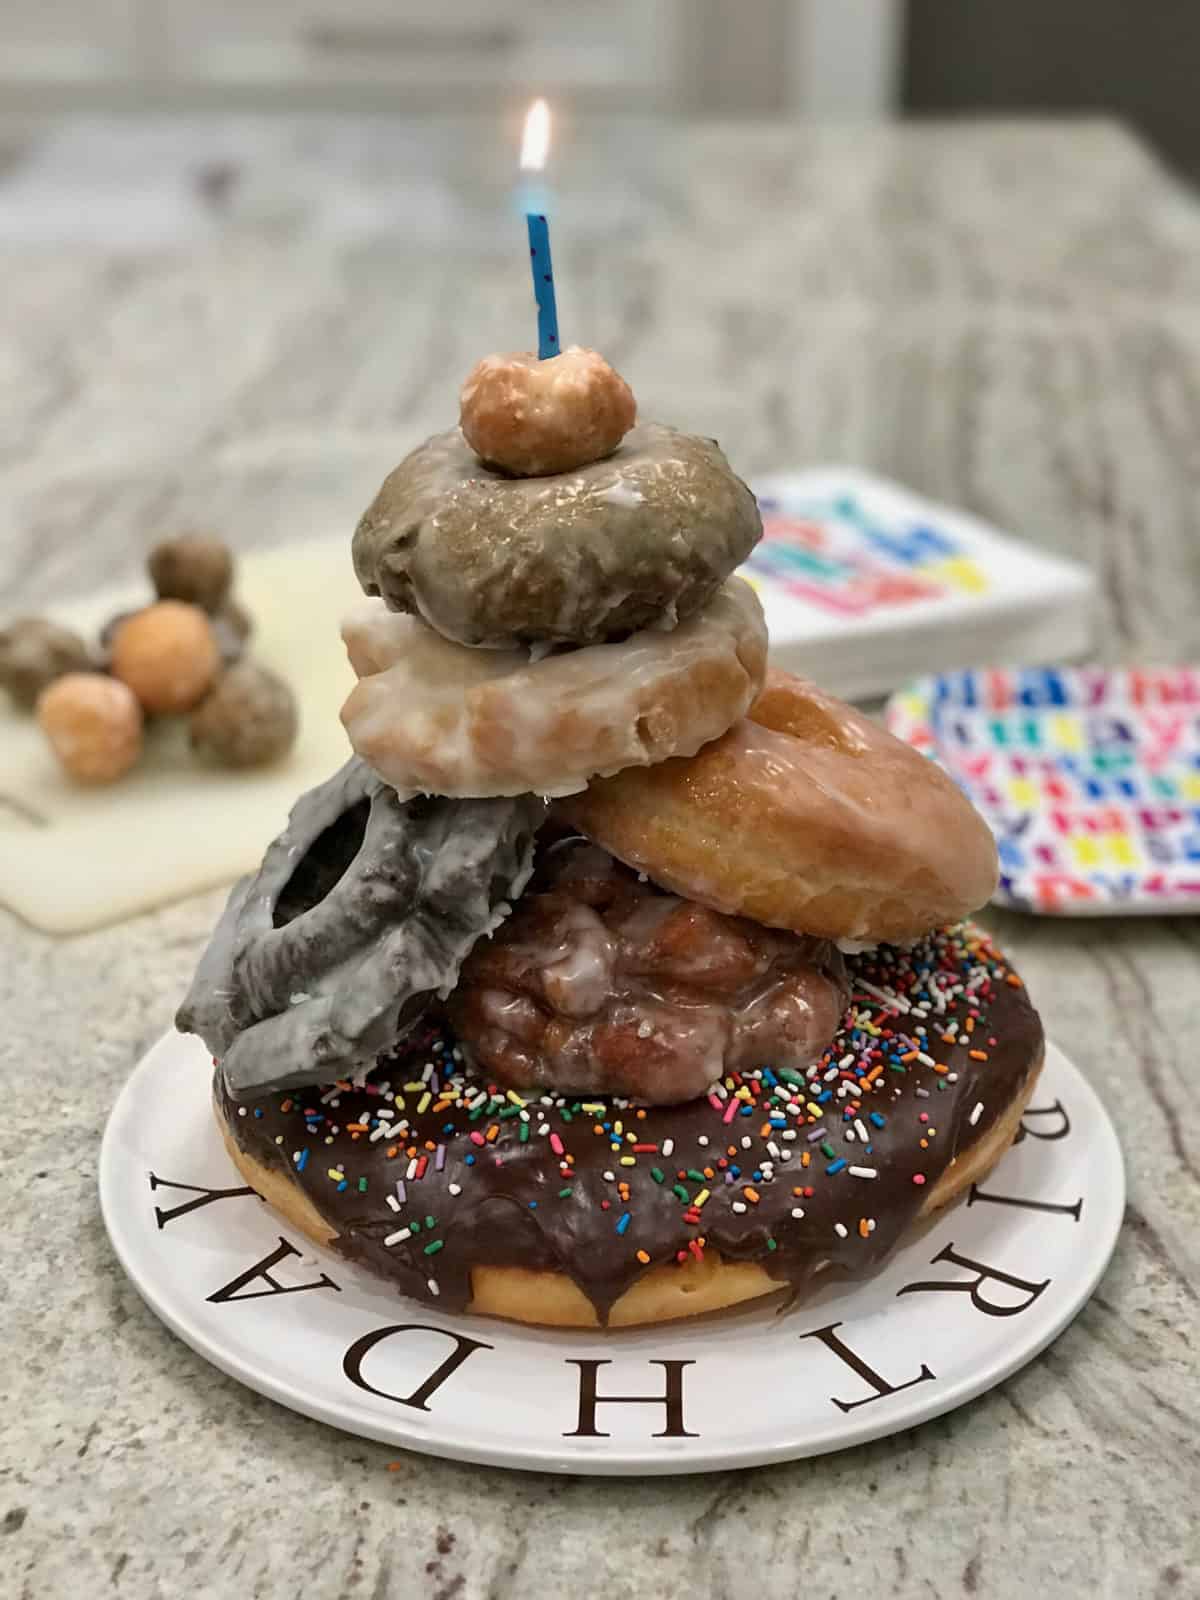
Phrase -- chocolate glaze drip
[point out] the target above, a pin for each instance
(511, 1210)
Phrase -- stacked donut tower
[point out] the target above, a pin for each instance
(549, 1003)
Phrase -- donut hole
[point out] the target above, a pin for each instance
(323, 865)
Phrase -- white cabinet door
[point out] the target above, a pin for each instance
(68, 41)
(426, 45)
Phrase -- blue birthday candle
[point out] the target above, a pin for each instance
(543, 283)
(534, 146)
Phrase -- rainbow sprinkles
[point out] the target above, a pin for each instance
(797, 1170)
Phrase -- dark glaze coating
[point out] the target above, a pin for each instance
(491, 1222)
(643, 538)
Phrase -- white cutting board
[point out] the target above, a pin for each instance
(74, 858)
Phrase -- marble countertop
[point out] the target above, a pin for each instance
(243, 325)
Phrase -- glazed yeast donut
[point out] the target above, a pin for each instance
(557, 1209)
(432, 717)
(806, 815)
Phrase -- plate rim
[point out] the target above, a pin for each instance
(643, 1458)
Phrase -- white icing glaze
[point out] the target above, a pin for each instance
(623, 494)
(433, 716)
(577, 981)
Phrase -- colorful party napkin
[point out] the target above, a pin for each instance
(1089, 777)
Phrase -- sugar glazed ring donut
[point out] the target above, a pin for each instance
(526, 1199)
(806, 815)
(644, 537)
(363, 909)
(599, 983)
(432, 717)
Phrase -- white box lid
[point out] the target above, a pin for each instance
(866, 585)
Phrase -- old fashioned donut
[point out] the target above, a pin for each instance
(433, 717)
(599, 982)
(805, 815)
(570, 1210)
(644, 537)
(363, 909)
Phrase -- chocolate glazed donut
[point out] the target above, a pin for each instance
(573, 1210)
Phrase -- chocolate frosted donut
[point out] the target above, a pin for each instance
(601, 982)
(643, 538)
(362, 910)
(574, 1210)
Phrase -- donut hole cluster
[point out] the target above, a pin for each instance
(181, 655)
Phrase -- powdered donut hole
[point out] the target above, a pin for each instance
(248, 720)
(94, 725)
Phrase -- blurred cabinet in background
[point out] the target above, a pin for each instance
(425, 47)
(69, 41)
(709, 57)
(1112, 56)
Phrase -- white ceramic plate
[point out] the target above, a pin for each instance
(761, 1384)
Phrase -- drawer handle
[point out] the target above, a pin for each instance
(363, 38)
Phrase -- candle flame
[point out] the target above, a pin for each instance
(536, 140)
